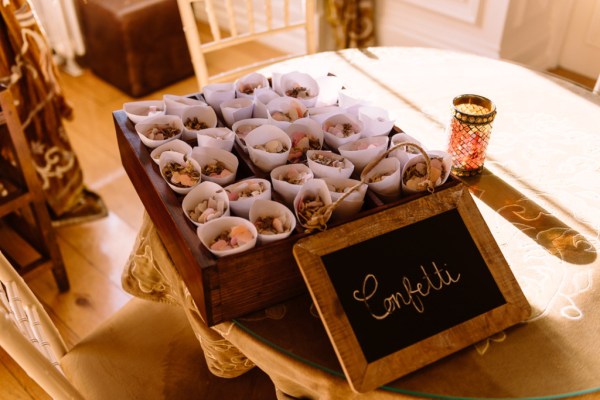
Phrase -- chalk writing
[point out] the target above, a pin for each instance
(411, 294)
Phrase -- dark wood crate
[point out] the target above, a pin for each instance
(232, 286)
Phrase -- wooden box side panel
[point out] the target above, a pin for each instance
(159, 201)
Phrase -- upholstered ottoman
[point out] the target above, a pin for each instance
(136, 45)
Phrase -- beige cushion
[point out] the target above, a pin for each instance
(149, 351)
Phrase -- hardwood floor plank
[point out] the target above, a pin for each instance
(93, 297)
(16, 384)
(104, 244)
(121, 199)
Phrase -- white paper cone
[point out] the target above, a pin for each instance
(413, 176)
(352, 204)
(285, 110)
(292, 82)
(211, 230)
(321, 171)
(305, 134)
(209, 155)
(376, 121)
(242, 128)
(175, 105)
(137, 111)
(220, 138)
(288, 179)
(351, 100)
(204, 115)
(241, 198)
(269, 208)
(216, 93)
(236, 109)
(246, 85)
(311, 190)
(329, 87)
(410, 151)
(387, 189)
(176, 145)
(212, 192)
(158, 121)
(363, 151)
(263, 136)
(340, 122)
(262, 97)
(172, 156)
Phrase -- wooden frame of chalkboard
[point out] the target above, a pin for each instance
(402, 288)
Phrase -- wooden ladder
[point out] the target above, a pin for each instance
(27, 237)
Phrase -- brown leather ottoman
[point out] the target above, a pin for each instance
(136, 45)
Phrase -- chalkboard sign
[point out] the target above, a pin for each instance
(405, 287)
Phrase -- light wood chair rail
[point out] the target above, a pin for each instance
(29, 336)
(596, 89)
(235, 22)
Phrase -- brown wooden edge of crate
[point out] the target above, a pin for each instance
(362, 375)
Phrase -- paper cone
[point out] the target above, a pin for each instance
(414, 172)
(197, 118)
(236, 110)
(244, 193)
(263, 136)
(388, 188)
(247, 84)
(144, 128)
(343, 170)
(312, 191)
(220, 138)
(288, 179)
(209, 156)
(300, 86)
(243, 127)
(305, 134)
(210, 232)
(216, 93)
(352, 204)
(285, 110)
(178, 158)
(340, 129)
(199, 202)
(266, 209)
(376, 121)
(175, 105)
(176, 145)
(137, 111)
(363, 151)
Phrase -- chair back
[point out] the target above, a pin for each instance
(29, 336)
(234, 22)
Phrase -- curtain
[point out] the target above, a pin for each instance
(58, 19)
(28, 71)
(353, 22)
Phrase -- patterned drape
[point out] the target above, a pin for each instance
(28, 71)
(353, 22)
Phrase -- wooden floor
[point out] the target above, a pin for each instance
(95, 252)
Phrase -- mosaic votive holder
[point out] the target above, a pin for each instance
(469, 133)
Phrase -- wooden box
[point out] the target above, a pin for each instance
(231, 286)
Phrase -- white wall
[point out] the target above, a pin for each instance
(527, 31)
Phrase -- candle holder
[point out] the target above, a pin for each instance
(469, 133)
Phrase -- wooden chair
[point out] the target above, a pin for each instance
(244, 23)
(147, 350)
(26, 232)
